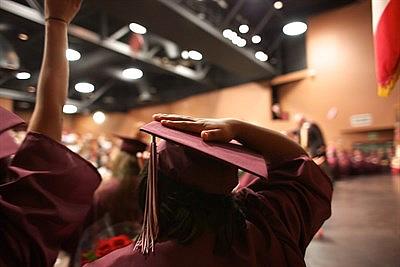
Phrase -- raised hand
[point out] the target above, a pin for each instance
(64, 10)
(219, 130)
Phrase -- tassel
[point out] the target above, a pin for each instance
(147, 238)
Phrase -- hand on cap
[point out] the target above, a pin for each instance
(63, 10)
(219, 130)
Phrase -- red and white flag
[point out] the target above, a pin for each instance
(386, 26)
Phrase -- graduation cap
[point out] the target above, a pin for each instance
(8, 121)
(131, 145)
(177, 156)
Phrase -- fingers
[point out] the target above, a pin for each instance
(188, 126)
(215, 135)
(172, 117)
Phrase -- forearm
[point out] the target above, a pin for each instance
(53, 82)
(274, 146)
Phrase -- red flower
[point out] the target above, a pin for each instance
(103, 247)
(120, 241)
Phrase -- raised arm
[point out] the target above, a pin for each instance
(54, 74)
(274, 146)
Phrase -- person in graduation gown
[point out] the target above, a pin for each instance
(51, 188)
(197, 218)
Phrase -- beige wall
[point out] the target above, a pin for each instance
(248, 102)
(340, 50)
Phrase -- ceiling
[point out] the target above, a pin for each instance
(100, 33)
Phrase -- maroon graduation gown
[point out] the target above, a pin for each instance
(283, 214)
(49, 197)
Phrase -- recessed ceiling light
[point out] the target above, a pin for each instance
(70, 109)
(84, 87)
(256, 39)
(294, 28)
(244, 28)
(236, 40)
(23, 37)
(242, 42)
(195, 55)
(137, 28)
(260, 55)
(185, 54)
(132, 74)
(23, 75)
(228, 33)
(72, 55)
(99, 117)
(278, 5)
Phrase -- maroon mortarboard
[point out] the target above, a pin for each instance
(174, 157)
(8, 120)
(131, 145)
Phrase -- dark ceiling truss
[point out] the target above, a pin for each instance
(108, 43)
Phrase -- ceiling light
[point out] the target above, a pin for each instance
(227, 33)
(70, 109)
(23, 75)
(256, 39)
(242, 42)
(23, 37)
(195, 55)
(294, 28)
(278, 5)
(244, 28)
(84, 88)
(260, 55)
(185, 54)
(72, 55)
(236, 40)
(132, 74)
(99, 117)
(137, 28)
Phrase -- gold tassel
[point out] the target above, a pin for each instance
(147, 238)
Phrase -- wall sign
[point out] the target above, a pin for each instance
(361, 120)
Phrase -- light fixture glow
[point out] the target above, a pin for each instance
(132, 74)
(137, 28)
(23, 75)
(294, 28)
(195, 55)
(185, 54)
(278, 5)
(260, 55)
(256, 39)
(228, 33)
(244, 28)
(72, 55)
(70, 109)
(236, 40)
(99, 117)
(84, 87)
(23, 37)
(242, 42)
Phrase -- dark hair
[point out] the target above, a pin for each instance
(186, 212)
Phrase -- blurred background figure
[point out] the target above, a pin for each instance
(310, 137)
(115, 218)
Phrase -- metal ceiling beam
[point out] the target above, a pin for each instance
(94, 38)
(181, 11)
(263, 22)
(232, 13)
(176, 23)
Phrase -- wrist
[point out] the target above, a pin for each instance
(55, 20)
